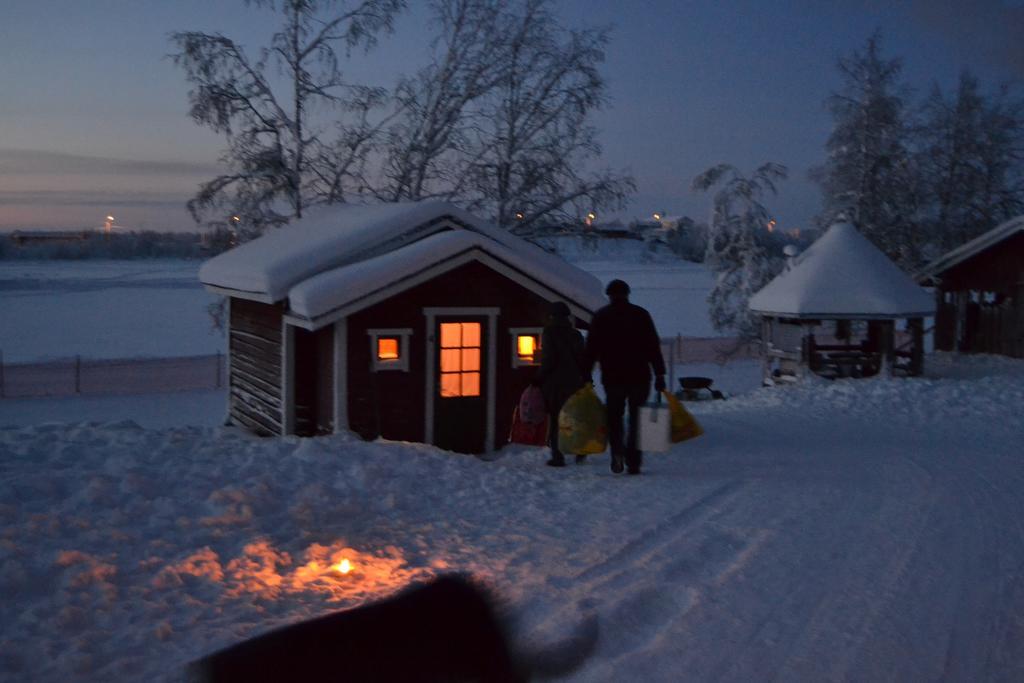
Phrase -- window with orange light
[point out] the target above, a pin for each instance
(526, 346)
(460, 359)
(389, 349)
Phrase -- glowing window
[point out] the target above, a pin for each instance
(526, 346)
(387, 348)
(460, 359)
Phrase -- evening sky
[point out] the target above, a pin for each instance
(93, 115)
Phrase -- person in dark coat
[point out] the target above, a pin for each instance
(561, 371)
(624, 341)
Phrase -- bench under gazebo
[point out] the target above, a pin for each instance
(834, 310)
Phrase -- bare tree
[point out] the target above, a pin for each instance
(426, 149)
(535, 143)
(499, 119)
(277, 162)
(737, 250)
(970, 156)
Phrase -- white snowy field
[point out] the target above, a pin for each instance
(157, 308)
(104, 309)
(848, 530)
(673, 290)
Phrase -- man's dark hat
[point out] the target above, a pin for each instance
(558, 309)
(617, 288)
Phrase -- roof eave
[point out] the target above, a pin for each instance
(970, 249)
(344, 309)
(261, 297)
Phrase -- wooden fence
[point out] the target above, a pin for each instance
(74, 376)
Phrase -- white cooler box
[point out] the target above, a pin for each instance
(654, 430)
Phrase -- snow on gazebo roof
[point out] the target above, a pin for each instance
(336, 238)
(843, 275)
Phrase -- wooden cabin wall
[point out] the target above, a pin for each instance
(1000, 268)
(391, 403)
(981, 302)
(254, 375)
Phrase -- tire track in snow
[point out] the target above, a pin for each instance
(656, 537)
(680, 565)
(848, 614)
(988, 610)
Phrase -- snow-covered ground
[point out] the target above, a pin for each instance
(104, 309)
(848, 530)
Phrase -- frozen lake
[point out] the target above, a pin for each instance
(129, 309)
(104, 309)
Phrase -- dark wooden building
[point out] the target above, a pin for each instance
(411, 322)
(979, 293)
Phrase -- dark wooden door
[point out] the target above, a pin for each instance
(460, 391)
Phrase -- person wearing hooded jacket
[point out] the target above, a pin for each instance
(623, 339)
(561, 370)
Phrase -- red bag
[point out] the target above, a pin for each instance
(523, 432)
(531, 406)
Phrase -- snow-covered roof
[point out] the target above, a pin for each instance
(975, 246)
(843, 275)
(353, 283)
(371, 241)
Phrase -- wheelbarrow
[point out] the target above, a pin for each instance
(697, 389)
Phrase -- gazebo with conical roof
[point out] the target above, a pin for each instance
(834, 311)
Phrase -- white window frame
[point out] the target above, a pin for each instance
(516, 332)
(403, 334)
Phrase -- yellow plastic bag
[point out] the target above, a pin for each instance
(684, 425)
(583, 424)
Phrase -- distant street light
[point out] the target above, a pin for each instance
(109, 225)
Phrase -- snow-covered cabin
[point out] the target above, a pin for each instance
(979, 289)
(834, 308)
(410, 321)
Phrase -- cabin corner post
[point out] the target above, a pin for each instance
(492, 380)
(227, 363)
(766, 361)
(1018, 305)
(287, 378)
(341, 375)
(431, 379)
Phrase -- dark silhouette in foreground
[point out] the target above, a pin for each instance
(447, 630)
